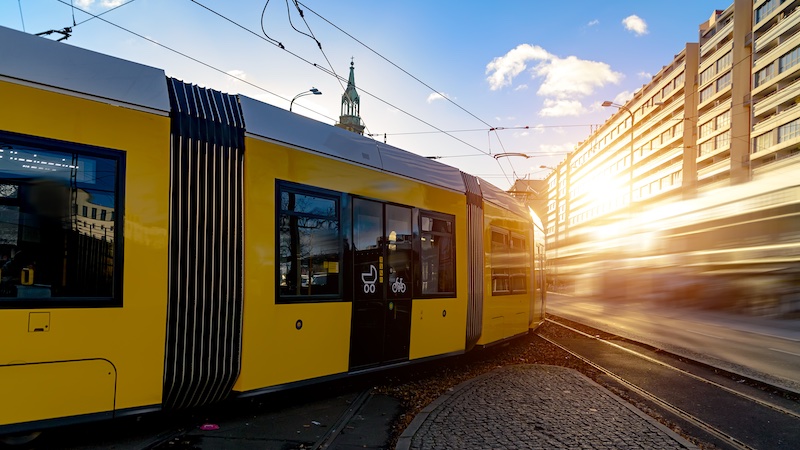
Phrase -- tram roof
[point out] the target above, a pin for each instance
(277, 124)
(59, 65)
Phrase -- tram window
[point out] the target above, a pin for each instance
(509, 261)
(49, 255)
(309, 243)
(437, 254)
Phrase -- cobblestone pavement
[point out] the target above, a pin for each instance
(534, 407)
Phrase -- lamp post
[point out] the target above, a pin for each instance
(630, 169)
(312, 91)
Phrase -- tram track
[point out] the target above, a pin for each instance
(694, 398)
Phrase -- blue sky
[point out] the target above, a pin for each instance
(505, 65)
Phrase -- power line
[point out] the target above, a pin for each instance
(393, 64)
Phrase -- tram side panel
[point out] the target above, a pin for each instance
(508, 285)
(83, 330)
(332, 272)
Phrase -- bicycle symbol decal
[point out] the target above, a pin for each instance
(398, 286)
(369, 279)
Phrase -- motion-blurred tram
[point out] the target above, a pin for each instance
(164, 245)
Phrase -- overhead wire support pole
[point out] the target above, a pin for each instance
(630, 167)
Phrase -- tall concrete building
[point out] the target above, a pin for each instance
(776, 91)
(721, 114)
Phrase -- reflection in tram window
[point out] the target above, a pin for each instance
(47, 251)
(400, 254)
(509, 259)
(309, 243)
(437, 254)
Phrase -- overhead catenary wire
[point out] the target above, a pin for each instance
(266, 39)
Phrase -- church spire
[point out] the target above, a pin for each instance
(350, 118)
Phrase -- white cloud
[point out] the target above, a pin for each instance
(572, 77)
(554, 149)
(645, 75)
(561, 107)
(636, 24)
(503, 69)
(565, 80)
(623, 97)
(87, 4)
(236, 73)
(437, 96)
(593, 23)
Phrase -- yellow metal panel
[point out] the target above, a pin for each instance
(131, 337)
(46, 391)
(296, 342)
(267, 326)
(438, 326)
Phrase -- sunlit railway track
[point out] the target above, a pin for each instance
(714, 410)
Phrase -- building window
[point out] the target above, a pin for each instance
(707, 147)
(722, 140)
(50, 259)
(309, 242)
(789, 60)
(706, 93)
(706, 75)
(94, 213)
(437, 252)
(765, 74)
(723, 120)
(789, 131)
(766, 9)
(724, 62)
(724, 81)
(764, 141)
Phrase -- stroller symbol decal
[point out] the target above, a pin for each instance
(369, 279)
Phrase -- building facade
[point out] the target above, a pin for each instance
(722, 113)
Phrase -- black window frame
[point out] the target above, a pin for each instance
(119, 157)
(340, 198)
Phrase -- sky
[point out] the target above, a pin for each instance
(462, 81)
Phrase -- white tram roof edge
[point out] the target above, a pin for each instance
(60, 65)
(277, 124)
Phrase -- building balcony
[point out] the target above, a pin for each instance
(770, 57)
(776, 120)
(766, 38)
(714, 169)
(769, 104)
(658, 161)
(770, 151)
(711, 44)
(716, 100)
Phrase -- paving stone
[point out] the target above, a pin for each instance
(532, 407)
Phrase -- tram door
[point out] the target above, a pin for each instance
(382, 256)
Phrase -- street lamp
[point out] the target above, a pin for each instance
(630, 169)
(311, 91)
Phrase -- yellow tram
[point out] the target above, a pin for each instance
(167, 246)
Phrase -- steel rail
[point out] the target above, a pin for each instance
(684, 372)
